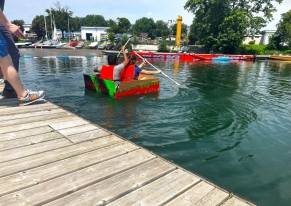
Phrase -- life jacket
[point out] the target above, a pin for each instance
(126, 75)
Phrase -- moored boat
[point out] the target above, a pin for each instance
(281, 57)
(103, 82)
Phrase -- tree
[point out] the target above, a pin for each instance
(283, 32)
(111, 36)
(144, 25)
(163, 46)
(38, 26)
(184, 31)
(76, 23)
(123, 25)
(162, 29)
(60, 15)
(95, 20)
(215, 21)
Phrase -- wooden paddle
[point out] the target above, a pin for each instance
(124, 45)
(158, 70)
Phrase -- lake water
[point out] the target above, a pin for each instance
(228, 122)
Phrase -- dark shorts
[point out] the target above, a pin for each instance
(3, 47)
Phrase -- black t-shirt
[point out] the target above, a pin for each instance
(2, 4)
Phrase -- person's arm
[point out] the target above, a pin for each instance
(12, 28)
(126, 60)
(142, 64)
(97, 69)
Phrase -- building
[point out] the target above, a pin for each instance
(26, 28)
(93, 33)
(260, 39)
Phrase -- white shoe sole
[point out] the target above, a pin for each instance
(24, 104)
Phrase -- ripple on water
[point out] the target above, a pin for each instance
(227, 122)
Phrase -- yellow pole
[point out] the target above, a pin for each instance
(179, 31)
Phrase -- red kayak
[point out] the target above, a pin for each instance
(190, 56)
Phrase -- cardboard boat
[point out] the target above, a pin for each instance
(103, 82)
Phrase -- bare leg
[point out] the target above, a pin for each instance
(12, 76)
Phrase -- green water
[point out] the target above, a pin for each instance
(228, 122)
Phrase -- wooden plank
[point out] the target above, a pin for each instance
(63, 125)
(9, 102)
(110, 189)
(77, 129)
(193, 195)
(215, 197)
(25, 133)
(30, 114)
(31, 125)
(75, 181)
(159, 191)
(56, 169)
(85, 136)
(32, 140)
(21, 152)
(235, 201)
(32, 108)
(35, 119)
(38, 160)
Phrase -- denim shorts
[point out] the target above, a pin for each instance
(3, 47)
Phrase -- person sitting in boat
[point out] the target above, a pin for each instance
(112, 60)
(138, 69)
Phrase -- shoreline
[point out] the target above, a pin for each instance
(59, 52)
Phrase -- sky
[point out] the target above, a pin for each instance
(112, 9)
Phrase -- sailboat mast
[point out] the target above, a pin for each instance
(45, 26)
(69, 28)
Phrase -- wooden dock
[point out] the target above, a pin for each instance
(49, 156)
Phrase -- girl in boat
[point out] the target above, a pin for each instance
(138, 69)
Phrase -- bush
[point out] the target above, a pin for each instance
(262, 49)
(163, 47)
(252, 42)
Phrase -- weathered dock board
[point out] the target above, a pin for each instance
(49, 156)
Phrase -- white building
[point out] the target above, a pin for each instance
(26, 28)
(93, 33)
(260, 39)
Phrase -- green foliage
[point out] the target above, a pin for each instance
(163, 46)
(184, 29)
(60, 15)
(95, 20)
(252, 42)
(123, 41)
(283, 32)
(261, 49)
(135, 40)
(162, 29)
(38, 26)
(111, 36)
(221, 25)
(144, 25)
(122, 25)
(274, 42)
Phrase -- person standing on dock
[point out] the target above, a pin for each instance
(8, 91)
(7, 68)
